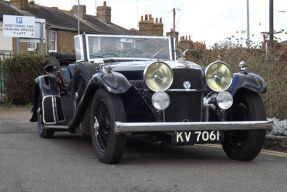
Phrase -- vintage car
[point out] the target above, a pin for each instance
(133, 87)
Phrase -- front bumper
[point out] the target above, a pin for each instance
(121, 127)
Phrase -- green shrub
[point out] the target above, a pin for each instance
(20, 73)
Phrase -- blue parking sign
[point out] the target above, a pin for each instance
(19, 20)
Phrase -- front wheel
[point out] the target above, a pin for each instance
(245, 145)
(106, 109)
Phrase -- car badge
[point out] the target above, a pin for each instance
(186, 85)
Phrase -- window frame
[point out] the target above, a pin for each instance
(33, 48)
(54, 41)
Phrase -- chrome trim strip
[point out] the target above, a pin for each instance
(183, 90)
(48, 123)
(65, 127)
(121, 127)
(54, 108)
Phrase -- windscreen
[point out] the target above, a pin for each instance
(128, 47)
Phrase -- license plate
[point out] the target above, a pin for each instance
(192, 137)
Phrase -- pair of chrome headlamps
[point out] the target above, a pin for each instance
(159, 77)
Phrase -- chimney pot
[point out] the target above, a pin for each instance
(156, 20)
(160, 20)
(150, 17)
(105, 3)
(145, 16)
(141, 18)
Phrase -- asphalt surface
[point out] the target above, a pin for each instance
(67, 162)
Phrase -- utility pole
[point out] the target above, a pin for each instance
(95, 7)
(248, 31)
(271, 24)
(173, 23)
(137, 20)
(78, 17)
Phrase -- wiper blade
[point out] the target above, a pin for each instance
(157, 53)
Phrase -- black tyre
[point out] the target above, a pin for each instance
(245, 145)
(44, 133)
(107, 108)
(83, 74)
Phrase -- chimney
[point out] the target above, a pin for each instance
(158, 28)
(20, 4)
(146, 26)
(83, 13)
(104, 13)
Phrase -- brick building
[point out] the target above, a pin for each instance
(61, 26)
(186, 43)
(147, 26)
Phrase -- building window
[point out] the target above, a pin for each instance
(52, 41)
(31, 46)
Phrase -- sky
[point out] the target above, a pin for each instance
(209, 21)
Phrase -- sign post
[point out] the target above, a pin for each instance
(25, 29)
(18, 26)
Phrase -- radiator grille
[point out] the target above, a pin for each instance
(185, 106)
(191, 75)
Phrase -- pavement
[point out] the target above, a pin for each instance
(275, 142)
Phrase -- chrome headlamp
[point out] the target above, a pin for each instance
(218, 76)
(224, 100)
(158, 76)
(160, 100)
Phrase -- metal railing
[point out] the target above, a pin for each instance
(3, 55)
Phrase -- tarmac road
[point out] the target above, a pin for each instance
(67, 162)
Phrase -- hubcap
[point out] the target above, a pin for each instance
(96, 127)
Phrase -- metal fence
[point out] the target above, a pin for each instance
(3, 55)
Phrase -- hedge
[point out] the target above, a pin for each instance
(20, 73)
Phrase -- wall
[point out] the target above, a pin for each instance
(65, 41)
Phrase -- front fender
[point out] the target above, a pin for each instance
(113, 82)
(44, 85)
(248, 81)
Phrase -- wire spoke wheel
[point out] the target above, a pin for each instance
(83, 74)
(106, 109)
(79, 89)
(103, 132)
